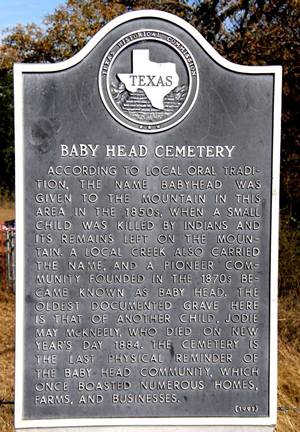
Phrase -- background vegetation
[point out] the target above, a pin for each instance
(250, 32)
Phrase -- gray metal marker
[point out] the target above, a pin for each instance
(147, 235)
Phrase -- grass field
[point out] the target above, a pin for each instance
(289, 356)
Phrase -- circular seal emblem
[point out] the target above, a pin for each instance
(148, 80)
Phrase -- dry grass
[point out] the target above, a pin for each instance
(6, 418)
(289, 365)
(7, 212)
(7, 348)
(289, 356)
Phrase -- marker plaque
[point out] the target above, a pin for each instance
(147, 219)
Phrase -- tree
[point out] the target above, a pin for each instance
(269, 35)
(6, 132)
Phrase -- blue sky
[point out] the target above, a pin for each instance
(13, 12)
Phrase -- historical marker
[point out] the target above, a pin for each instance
(147, 219)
